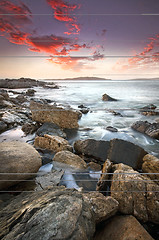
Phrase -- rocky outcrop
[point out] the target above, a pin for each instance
(56, 213)
(122, 228)
(151, 166)
(50, 129)
(93, 148)
(136, 194)
(103, 207)
(106, 97)
(53, 143)
(70, 159)
(17, 158)
(24, 83)
(126, 152)
(63, 117)
(150, 129)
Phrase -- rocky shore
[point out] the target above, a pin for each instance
(37, 205)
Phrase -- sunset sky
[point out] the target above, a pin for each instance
(116, 39)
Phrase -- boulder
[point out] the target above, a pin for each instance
(103, 207)
(111, 129)
(122, 151)
(149, 110)
(150, 129)
(30, 92)
(151, 165)
(12, 117)
(17, 158)
(83, 109)
(50, 129)
(97, 149)
(57, 213)
(103, 182)
(106, 97)
(70, 159)
(136, 194)
(63, 117)
(94, 166)
(3, 126)
(122, 228)
(53, 143)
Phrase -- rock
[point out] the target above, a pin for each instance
(17, 157)
(122, 228)
(50, 129)
(150, 129)
(106, 97)
(56, 214)
(83, 109)
(112, 129)
(97, 149)
(48, 180)
(136, 194)
(115, 113)
(70, 159)
(63, 117)
(30, 92)
(14, 117)
(21, 99)
(53, 143)
(4, 94)
(94, 166)
(126, 152)
(29, 128)
(148, 107)
(3, 126)
(103, 207)
(103, 181)
(149, 110)
(151, 165)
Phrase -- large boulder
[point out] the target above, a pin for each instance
(56, 213)
(103, 207)
(63, 117)
(150, 129)
(151, 166)
(50, 129)
(70, 159)
(20, 159)
(53, 143)
(122, 151)
(106, 97)
(122, 228)
(97, 149)
(136, 194)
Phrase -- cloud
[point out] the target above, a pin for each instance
(62, 12)
(147, 58)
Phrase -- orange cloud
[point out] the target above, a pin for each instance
(62, 12)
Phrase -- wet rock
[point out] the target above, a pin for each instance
(94, 166)
(103, 207)
(17, 157)
(29, 128)
(126, 152)
(115, 113)
(83, 109)
(151, 165)
(50, 129)
(106, 97)
(57, 213)
(13, 117)
(63, 117)
(53, 143)
(136, 194)
(112, 129)
(3, 126)
(150, 129)
(103, 181)
(126, 227)
(97, 149)
(70, 159)
(4, 94)
(149, 110)
(30, 92)
(148, 107)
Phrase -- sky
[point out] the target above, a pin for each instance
(43, 39)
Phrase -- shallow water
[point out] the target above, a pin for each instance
(132, 95)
